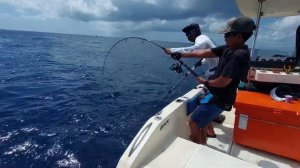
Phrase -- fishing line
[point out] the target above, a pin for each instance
(143, 39)
(199, 63)
(190, 70)
(124, 39)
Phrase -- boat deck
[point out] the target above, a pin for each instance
(184, 153)
(163, 142)
(224, 143)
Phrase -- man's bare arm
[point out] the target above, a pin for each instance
(218, 82)
(206, 53)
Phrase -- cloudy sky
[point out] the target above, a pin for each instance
(151, 19)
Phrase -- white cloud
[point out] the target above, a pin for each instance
(287, 23)
(152, 2)
(278, 33)
(136, 18)
(177, 4)
(184, 4)
(213, 24)
(59, 8)
(282, 29)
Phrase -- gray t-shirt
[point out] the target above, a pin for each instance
(233, 64)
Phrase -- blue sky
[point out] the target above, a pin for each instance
(151, 19)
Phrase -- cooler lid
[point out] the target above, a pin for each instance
(264, 100)
(262, 107)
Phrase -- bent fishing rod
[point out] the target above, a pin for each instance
(124, 39)
(175, 56)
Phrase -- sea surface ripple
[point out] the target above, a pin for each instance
(57, 107)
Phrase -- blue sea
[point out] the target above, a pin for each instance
(60, 108)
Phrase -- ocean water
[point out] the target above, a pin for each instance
(60, 108)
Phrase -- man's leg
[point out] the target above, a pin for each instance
(198, 135)
(210, 131)
(198, 124)
(195, 132)
(201, 120)
(203, 136)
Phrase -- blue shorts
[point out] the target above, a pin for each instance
(205, 113)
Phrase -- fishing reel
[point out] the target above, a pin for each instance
(176, 67)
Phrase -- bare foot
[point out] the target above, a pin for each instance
(193, 139)
(210, 131)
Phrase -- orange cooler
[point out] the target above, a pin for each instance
(266, 124)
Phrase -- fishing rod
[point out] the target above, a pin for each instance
(199, 63)
(176, 56)
(124, 39)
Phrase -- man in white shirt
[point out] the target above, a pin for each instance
(193, 34)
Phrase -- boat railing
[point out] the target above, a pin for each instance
(139, 139)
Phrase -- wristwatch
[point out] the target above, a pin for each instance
(206, 83)
(176, 55)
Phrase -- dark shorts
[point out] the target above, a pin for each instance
(205, 113)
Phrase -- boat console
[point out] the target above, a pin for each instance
(286, 72)
(274, 76)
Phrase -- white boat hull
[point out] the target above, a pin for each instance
(157, 133)
(164, 142)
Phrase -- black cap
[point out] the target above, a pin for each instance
(241, 25)
(193, 26)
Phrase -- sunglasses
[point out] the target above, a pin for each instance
(230, 34)
(190, 33)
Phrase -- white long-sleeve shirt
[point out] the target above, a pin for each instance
(201, 42)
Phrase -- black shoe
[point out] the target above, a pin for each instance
(220, 119)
